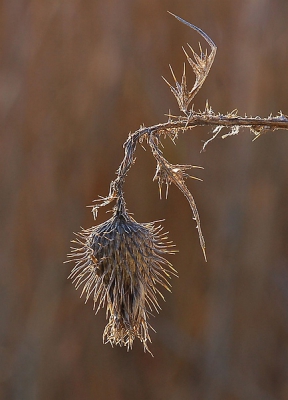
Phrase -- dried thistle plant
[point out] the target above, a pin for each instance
(121, 263)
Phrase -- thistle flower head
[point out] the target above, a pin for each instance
(120, 264)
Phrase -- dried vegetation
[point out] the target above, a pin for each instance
(121, 263)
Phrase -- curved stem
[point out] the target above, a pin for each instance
(171, 128)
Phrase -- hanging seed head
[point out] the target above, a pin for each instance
(120, 264)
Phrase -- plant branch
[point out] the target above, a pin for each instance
(168, 173)
(165, 171)
(120, 261)
(201, 66)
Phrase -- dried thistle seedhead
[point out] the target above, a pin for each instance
(120, 264)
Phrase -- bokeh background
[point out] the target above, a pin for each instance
(76, 77)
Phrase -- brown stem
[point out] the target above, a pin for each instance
(205, 119)
(168, 173)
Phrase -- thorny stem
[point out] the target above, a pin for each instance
(120, 261)
(211, 119)
(171, 128)
(166, 172)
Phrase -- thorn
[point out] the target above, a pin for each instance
(172, 72)
(200, 48)
(197, 166)
(189, 59)
(256, 137)
(160, 190)
(202, 33)
(195, 177)
(183, 81)
(171, 87)
(204, 253)
(167, 189)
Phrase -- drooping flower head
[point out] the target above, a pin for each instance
(120, 264)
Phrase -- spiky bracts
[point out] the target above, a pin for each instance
(121, 264)
(201, 66)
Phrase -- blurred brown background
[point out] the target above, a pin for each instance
(76, 77)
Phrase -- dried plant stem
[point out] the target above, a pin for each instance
(121, 263)
(206, 119)
(168, 173)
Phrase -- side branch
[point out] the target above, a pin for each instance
(200, 64)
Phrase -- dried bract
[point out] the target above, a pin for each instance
(201, 66)
(168, 173)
